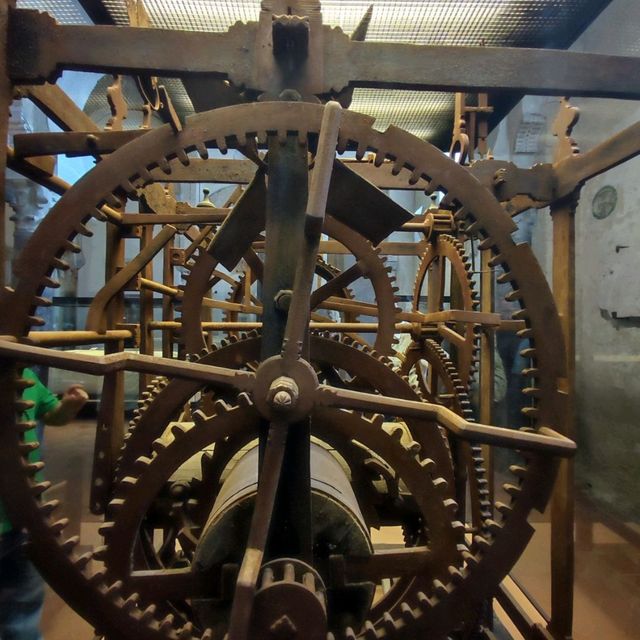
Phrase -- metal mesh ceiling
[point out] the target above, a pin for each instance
(519, 23)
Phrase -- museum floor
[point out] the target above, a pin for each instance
(607, 602)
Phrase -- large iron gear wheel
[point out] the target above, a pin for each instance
(445, 248)
(433, 606)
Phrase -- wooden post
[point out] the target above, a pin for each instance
(562, 504)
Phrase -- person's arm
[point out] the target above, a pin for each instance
(73, 399)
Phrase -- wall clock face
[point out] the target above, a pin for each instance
(604, 202)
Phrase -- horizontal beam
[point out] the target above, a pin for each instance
(39, 49)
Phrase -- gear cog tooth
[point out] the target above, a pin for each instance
(441, 484)
(267, 577)
(106, 528)
(27, 447)
(457, 577)
(100, 553)
(440, 589)
(289, 573)
(202, 150)
(70, 544)
(149, 615)
(513, 490)
(114, 590)
(178, 430)
(531, 412)
(96, 580)
(186, 633)
(207, 635)
(131, 603)
(481, 542)
(39, 488)
(58, 526)
(183, 158)
(389, 623)
(408, 615)
(164, 165)
(167, 623)
(503, 509)
(492, 526)
(49, 507)
(451, 506)
(141, 464)
(424, 602)
(33, 468)
(428, 465)
(199, 418)
(470, 559)
(370, 632)
(82, 561)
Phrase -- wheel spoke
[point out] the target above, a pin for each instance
(545, 440)
(298, 318)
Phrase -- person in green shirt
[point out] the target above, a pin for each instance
(21, 587)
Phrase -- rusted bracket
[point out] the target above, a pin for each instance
(39, 49)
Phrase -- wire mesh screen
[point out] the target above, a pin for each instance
(518, 23)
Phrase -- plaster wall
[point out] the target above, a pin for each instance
(607, 282)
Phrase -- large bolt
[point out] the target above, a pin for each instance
(283, 393)
(282, 299)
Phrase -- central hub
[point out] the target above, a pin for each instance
(284, 389)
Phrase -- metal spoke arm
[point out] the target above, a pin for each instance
(545, 440)
(124, 361)
(298, 316)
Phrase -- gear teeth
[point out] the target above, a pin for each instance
(441, 484)
(164, 165)
(132, 603)
(207, 635)
(370, 632)
(49, 283)
(27, 447)
(36, 321)
(396, 433)
(525, 333)
(513, 490)
(83, 230)
(34, 467)
(23, 427)
(97, 579)
(388, 623)
(49, 507)
(202, 150)
(456, 575)
(106, 528)
(408, 615)
(520, 314)
(425, 603)
(183, 158)
(532, 391)
(41, 301)
(100, 553)
(82, 561)
(149, 615)
(114, 590)
(451, 506)
(428, 465)
(186, 633)
(70, 544)
(440, 589)
(113, 200)
(39, 488)
(59, 263)
(470, 559)
(178, 430)
(58, 526)
(166, 625)
(493, 527)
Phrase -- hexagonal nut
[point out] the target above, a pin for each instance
(282, 299)
(283, 393)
